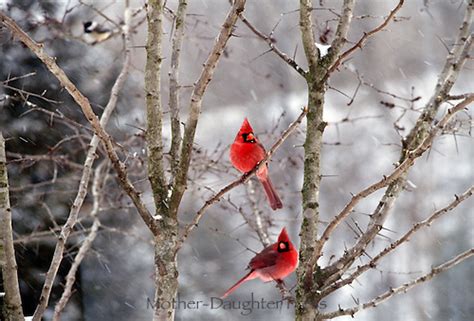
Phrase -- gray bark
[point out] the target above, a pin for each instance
(12, 309)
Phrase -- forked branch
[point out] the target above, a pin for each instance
(364, 38)
(200, 87)
(271, 43)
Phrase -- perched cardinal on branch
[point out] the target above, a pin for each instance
(245, 153)
(275, 262)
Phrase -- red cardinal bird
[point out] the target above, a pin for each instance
(275, 262)
(245, 153)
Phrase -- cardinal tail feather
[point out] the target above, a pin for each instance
(273, 198)
(249, 276)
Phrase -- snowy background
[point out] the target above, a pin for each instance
(115, 280)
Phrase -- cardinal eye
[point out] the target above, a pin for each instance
(282, 247)
(248, 137)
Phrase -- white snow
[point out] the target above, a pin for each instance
(323, 49)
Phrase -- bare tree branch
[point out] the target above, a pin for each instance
(307, 35)
(271, 43)
(453, 66)
(365, 37)
(403, 288)
(179, 24)
(244, 178)
(24, 94)
(373, 262)
(12, 301)
(341, 34)
(196, 101)
(53, 115)
(156, 174)
(61, 159)
(97, 194)
(83, 102)
(50, 235)
(256, 224)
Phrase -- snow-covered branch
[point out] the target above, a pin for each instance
(307, 34)
(341, 33)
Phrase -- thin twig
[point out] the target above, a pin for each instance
(271, 43)
(50, 235)
(24, 93)
(60, 159)
(53, 115)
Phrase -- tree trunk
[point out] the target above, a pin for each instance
(166, 270)
(307, 307)
(12, 310)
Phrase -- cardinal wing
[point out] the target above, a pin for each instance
(264, 259)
